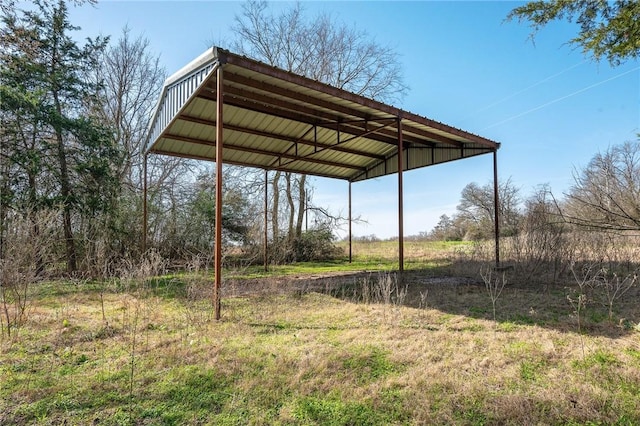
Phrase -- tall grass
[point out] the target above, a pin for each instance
(370, 348)
(313, 358)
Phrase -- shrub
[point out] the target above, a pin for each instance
(315, 245)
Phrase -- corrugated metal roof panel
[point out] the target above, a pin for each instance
(275, 119)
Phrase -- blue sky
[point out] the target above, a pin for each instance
(550, 106)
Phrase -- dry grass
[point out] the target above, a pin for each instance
(416, 253)
(304, 357)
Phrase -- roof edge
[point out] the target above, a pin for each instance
(208, 56)
(226, 56)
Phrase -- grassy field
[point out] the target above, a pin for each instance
(366, 350)
(368, 256)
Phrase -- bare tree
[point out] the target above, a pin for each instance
(541, 244)
(275, 212)
(477, 208)
(324, 49)
(494, 285)
(24, 251)
(302, 196)
(291, 205)
(132, 79)
(606, 193)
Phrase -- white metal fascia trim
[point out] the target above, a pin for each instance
(207, 59)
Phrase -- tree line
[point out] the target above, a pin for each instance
(73, 119)
(72, 159)
(605, 196)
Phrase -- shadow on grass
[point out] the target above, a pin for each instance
(550, 305)
(452, 289)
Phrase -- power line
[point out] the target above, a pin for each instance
(544, 80)
(584, 89)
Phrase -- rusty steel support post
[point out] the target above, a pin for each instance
(400, 201)
(496, 206)
(266, 207)
(306, 211)
(218, 216)
(350, 235)
(145, 219)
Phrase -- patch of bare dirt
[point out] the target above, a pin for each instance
(328, 282)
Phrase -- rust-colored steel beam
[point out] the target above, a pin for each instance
(339, 142)
(467, 154)
(218, 213)
(291, 157)
(266, 223)
(145, 213)
(361, 116)
(471, 137)
(350, 222)
(279, 74)
(357, 128)
(287, 114)
(430, 136)
(496, 206)
(291, 94)
(286, 138)
(242, 163)
(281, 103)
(366, 132)
(400, 201)
(293, 146)
(385, 162)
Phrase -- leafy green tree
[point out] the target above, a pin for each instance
(56, 138)
(236, 213)
(21, 154)
(609, 29)
(191, 229)
(448, 229)
(21, 121)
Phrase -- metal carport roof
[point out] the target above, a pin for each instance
(277, 120)
(244, 112)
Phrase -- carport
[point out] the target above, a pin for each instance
(227, 108)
